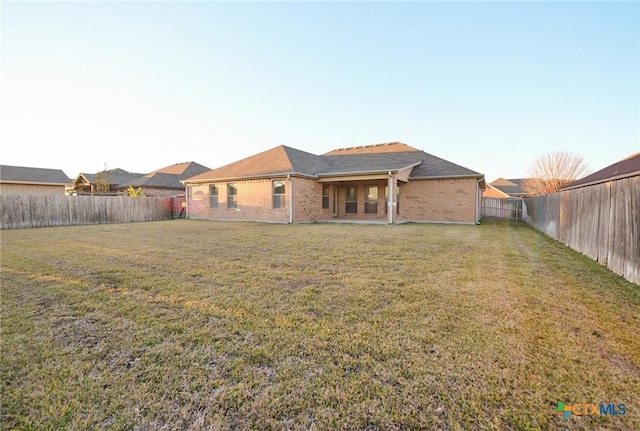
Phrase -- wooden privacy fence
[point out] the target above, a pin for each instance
(509, 208)
(27, 211)
(601, 221)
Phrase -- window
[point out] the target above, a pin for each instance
(232, 195)
(371, 200)
(325, 196)
(213, 195)
(197, 192)
(278, 194)
(351, 205)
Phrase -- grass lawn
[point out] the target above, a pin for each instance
(191, 324)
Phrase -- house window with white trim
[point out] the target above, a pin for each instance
(325, 196)
(278, 194)
(351, 204)
(213, 195)
(371, 200)
(232, 196)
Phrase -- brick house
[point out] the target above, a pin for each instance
(507, 188)
(386, 183)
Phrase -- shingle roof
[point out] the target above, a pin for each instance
(117, 176)
(510, 186)
(280, 160)
(627, 167)
(374, 162)
(21, 174)
(168, 177)
(433, 166)
(305, 163)
(284, 160)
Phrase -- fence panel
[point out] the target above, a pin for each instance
(601, 221)
(27, 211)
(508, 208)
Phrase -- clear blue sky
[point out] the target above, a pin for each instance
(487, 85)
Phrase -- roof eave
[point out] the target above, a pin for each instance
(32, 183)
(373, 172)
(446, 177)
(248, 177)
(603, 180)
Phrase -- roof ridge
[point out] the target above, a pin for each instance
(385, 147)
(359, 147)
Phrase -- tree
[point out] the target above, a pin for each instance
(552, 171)
(103, 181)
(135, 193)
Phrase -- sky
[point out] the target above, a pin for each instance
(141, 85)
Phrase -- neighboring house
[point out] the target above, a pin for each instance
(625, 168)
(20, 180)
(494, 192)
(388, 183)
(506, 188)
(104, 182)
(165, 181)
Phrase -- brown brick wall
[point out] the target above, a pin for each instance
(158, 192)
(307, 201)
(254, 199)
(452, 200)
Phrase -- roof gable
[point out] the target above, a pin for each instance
(503, 182)
(511, 186)
(493, 192)
(178, 168)
(276, 161)
(33, 175)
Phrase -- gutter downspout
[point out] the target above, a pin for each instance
(391, 198)
(478, 201)
(186, 209)
(186, 201)
(290, 198)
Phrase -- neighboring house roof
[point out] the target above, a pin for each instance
(168, 177)
(284, 160)
(117, 176)
(493, 192)
(627, 167)
(511, 186)
(26, 175)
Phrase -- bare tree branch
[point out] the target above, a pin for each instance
(552, 171)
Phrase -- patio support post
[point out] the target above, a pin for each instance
(290, 199)
(392, 194)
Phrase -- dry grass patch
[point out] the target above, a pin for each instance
(204, 325)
